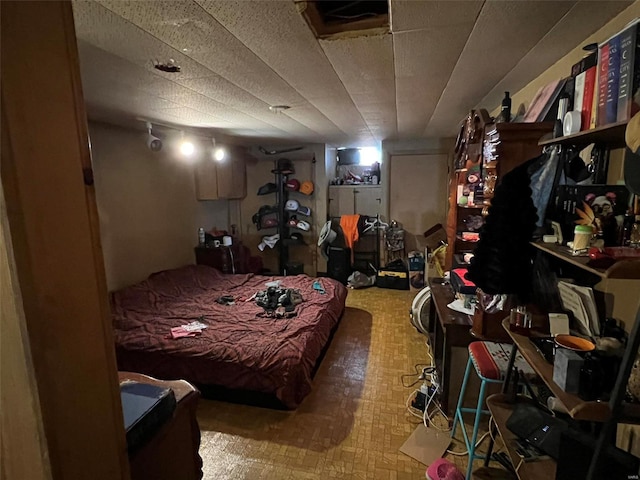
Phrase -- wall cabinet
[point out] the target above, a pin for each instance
(225, 179)
(352, 199)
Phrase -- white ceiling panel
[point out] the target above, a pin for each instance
(188, 28)
(365, 67)
(425, 57)
(409, 15)
(293, 52)
(238, 57)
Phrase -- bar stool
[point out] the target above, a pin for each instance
(490, 361)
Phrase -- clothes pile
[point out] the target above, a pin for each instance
(278, 302)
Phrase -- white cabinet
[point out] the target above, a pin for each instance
(351, 199)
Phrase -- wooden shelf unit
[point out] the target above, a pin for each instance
(612, 135)
(623, 269)
(596, 411)
(491, 149)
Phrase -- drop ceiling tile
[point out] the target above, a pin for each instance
(425, 58)
(119, 43)
(185, 25)
(409, 15)
(365, 67)
(292, 51)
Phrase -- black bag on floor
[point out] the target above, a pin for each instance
(394, 275)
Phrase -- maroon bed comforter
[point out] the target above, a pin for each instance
(239, 349)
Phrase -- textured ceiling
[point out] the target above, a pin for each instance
(239, 57)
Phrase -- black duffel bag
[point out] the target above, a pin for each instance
(394, 275)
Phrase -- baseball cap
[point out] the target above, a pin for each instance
(302, 225)
(293, 184)
(306, 187)
(284, 166)
(292, 205)
(267, 188)
(302, 210)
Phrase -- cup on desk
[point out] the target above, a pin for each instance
(520, 320)
(216, 243)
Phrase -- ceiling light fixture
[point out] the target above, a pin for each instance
(153, 143)
(187, 148)
(169, 67)
(279, 108)
(219, 153)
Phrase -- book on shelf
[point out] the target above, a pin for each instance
(593, 119)
(546, 97)
(613, 79)
(629, 78)
(585, 74)
(603, 73)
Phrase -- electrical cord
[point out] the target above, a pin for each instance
(427, 369)
(410, 409)
(479, 441)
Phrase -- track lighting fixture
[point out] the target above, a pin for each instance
(153, 143)
(218, 153)
(187, 148)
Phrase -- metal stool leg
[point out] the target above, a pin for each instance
(476, 425)
(458, 412)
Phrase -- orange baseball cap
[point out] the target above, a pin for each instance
(306, 187)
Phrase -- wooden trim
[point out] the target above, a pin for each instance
(24, 448)
(55, 237)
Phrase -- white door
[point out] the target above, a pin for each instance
(418, 193)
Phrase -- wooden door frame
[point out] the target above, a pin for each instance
(47, 180)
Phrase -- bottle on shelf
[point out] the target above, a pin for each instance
(634, 237)
(505, 109)
(625, 231)
(201, 238)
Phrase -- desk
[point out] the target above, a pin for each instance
(448, 329)
(173, 452)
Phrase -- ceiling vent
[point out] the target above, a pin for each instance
(330, 18)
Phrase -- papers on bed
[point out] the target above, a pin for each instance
(189, 330)
(581, 302)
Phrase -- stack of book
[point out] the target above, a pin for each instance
(607, 81)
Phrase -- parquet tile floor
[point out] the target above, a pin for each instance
(353, 422)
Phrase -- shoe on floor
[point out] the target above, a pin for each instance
(443, 469)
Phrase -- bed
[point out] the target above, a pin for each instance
(241, 349)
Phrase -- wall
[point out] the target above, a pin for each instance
(309, 164)
(149, 215)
